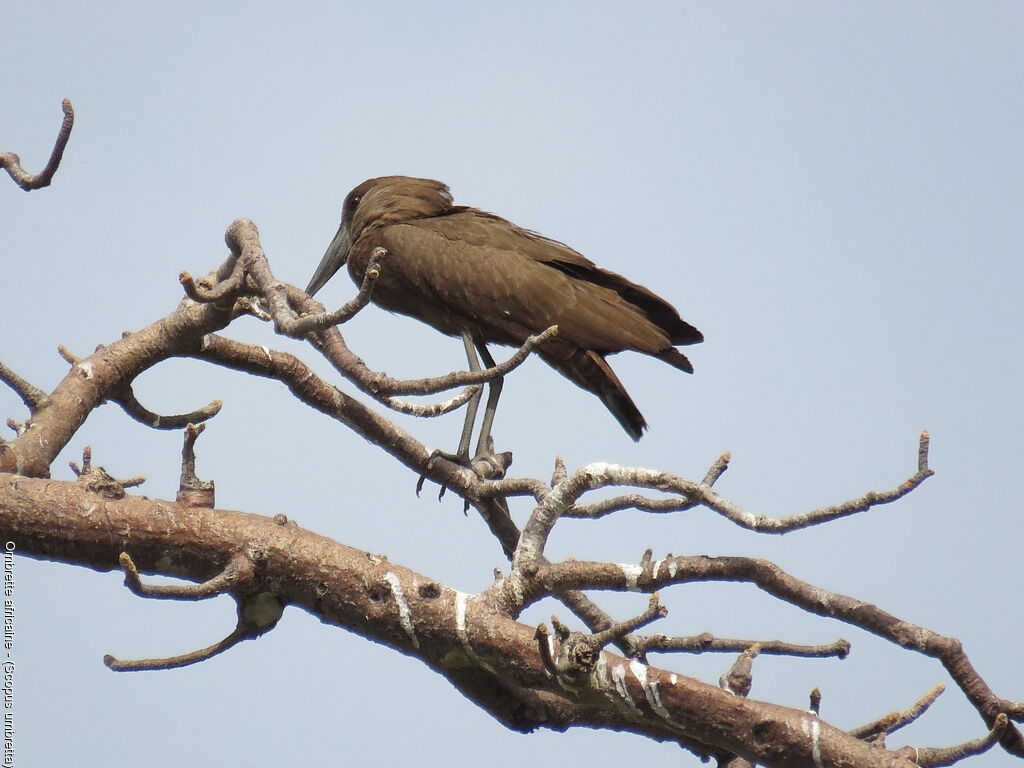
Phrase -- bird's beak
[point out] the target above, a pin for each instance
(333, 260)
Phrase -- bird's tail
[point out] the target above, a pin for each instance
(589, 370)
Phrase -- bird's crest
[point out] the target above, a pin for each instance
(394, 199)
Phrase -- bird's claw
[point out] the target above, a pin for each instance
(491, 465)
(437, 453)
(486, 465)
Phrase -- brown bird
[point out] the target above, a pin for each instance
(474, 275)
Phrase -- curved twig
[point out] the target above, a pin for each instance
(11, 163)
(257, 613)
(300, 327)
(143, 415)
(931, 757)
(238, 569)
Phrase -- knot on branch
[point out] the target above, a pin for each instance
(98, 480)
(575, 654)
(738, 680)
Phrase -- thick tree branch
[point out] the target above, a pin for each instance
(489, 656)
(102, 376)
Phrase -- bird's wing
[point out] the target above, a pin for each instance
(505, 284)
(576, 265)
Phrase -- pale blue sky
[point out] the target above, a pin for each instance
(832, 192)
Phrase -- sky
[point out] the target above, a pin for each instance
(830, 191)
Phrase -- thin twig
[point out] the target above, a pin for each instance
(206, 291)
(32, 396)
(237, 569)
(930, 757)
(302, 326)
(709, 643)
(10, 161)
(143, 415)
(896, 720)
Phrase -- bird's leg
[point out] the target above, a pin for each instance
(461, 456)
(487, 463)
(474, 403)
(493, 393)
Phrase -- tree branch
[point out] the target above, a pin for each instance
(487, 655)
(11, 163)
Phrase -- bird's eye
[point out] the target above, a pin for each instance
(349, 208)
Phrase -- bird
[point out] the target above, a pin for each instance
(476, 276)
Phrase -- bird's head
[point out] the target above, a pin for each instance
(378, 203)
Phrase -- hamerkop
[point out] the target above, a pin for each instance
(475, 275)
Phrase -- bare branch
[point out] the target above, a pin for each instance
(514, 486)
(717, 469)
(239, 568)
(645, 504)
(257, 613)
(143, 415)
(709, 643)
(103, 376)
(769, 577)
(380, 386)
(208, 291)
(10, 162)
(433, 409)
(620, 629)
(173, 662)
(930, 757)
(601, 475)
(896, 720)
(32, 396)
(359, 592)
(599, 509)
(67, 354)
(300, 327)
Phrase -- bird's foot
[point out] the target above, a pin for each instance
(486, 465)
(437, 453)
